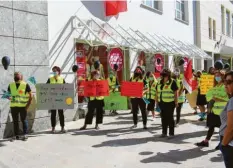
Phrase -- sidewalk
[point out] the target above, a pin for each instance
(115, 145)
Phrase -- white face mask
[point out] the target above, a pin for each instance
(96, 76)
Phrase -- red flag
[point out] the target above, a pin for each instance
(115, 7)
(188, 75)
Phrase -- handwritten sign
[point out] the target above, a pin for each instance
(55, 96)
(96, 88)
(115, 102)
(133, 89)
(207, 82)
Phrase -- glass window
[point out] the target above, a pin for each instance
(228, 23)
(152, 3)
(148, 3)
(214, 29)
(222, 16)
(210, 28)
(180, 10)
(232, 26)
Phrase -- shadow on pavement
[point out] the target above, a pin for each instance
(177, 156)
(218, 158)
(178, 139)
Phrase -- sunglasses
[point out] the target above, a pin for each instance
(228, 82)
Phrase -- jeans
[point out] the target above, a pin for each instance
(227, 152)
(139, 103)
(15, 112)
(61, 118)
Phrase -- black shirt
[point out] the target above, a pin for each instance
(48, 81)
(28, 89)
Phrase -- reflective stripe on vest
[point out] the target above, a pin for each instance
(59, 80)
(18, 96)
(112, 84)
(167, 93)
(219, 92)
(218, 107)
(181, 98)
(97, 98)
(134, 80)
(152, 91)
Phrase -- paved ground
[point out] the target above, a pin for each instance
(115, 145)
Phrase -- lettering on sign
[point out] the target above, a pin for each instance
(132, 89)
(96, 88)
(55, 96)
(207, 83)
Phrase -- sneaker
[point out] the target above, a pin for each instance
(163, 136)
(25, 138)
(177, 125)
(201, 119)
(53, 130)
(83, 128)
(203, 144)
(17, 137)
(217, 147)
(195, 112)
(63, 131)
(97, 127)
(171, 136)
(145, 127)
(134, 126)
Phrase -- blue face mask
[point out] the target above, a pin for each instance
(55, 73)
(218, 79)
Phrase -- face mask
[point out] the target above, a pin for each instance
(218, 79)
(97, 76)
(111, 76)
(16, 78)
(55, 73)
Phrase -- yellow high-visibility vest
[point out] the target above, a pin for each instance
(59, 80)
(96, 98)
(112, 84)
(18, 96)
(181, 98)
(152, 90)
(167, 93)
(219, 92)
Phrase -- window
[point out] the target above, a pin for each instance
(232, 26)
(181, 12)
(214, 29)
(157, 5)
(210, 27)
(223, 19)
(228, 23)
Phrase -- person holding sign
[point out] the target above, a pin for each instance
(150, 95)
(20, 100)
(57, 79)
(95, 103)
(138, 101)
(218, 97)
(167, 98)
(113, 86)
(181, 94)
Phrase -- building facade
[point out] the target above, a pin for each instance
(23, 38)
(213, 30)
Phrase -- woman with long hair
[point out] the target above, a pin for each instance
(150, 95)
(138, 101)
(167, 98)
(226, 128)
(217, 98)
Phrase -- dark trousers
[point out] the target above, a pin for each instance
(139, 103)
(178, 111)
(61, 117)
(15, 112)
(227, 152)
(93, 105)
(210, 133)
(167, 117)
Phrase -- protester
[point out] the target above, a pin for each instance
(95, 103)
(20, 100)
(150, 95)
(167, 97)
(217, 98)
(181, 94)
(138, 101)
(226, 128)
(57, 79)
(201, 99)
(113, 87)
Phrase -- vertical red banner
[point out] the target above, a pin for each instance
(81, 62)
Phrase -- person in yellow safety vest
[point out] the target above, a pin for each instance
(138, 101)
(100, 66)
(181, 95)
(151, 93)
(95, 103)
(167, 98)
(20, 100)
(113, 87)
(220, 98)
(57, 79)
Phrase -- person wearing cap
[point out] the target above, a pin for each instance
(138, 101)
(57, 79)
(181, 94)
(167, 98)
(218, 98)
(95, 103)
(113, 86)
(150, 95)
(20, 101)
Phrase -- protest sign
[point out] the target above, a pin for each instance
(207, 82)
(115, 102)
(96, 88)
(55, 96)
(133, 89)
(81, 88)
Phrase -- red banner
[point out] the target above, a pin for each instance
(185, 63)
(134, 89)
(81, 62)
(159, 62)
(116, 57)
(81, 88)
(96, 88)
